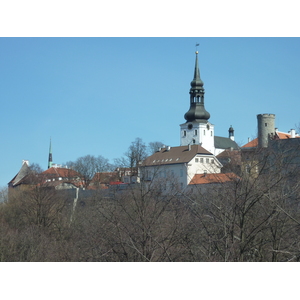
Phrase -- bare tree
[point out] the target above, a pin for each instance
(36, 168)
(3, 194)
(137, 152)
(154, 146)
(253, 219)
(89, 165)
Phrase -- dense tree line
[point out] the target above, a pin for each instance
(256, 218)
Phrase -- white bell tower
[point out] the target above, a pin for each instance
(197, 129)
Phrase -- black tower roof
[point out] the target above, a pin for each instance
(197, 111)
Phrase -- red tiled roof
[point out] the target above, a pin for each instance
(283, 135)
(117, 182)
(61, 172)
(104, 177)
(251, 144)
(278, 135)
(213, 178)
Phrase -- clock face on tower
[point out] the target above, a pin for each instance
(190, 126)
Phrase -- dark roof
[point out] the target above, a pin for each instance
(24, 171)
(225, 143)
(174, 155)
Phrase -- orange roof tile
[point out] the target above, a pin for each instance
(251, 144)
(61, 172)
(283, 135)
(278, 135)
(104, 177)
(213, 178)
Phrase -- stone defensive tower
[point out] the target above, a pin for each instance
(266, 129)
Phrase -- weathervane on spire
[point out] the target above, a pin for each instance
(197, 48)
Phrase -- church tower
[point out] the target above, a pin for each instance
(50, 156)
(197, 129)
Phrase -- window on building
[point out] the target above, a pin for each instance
(207, 160)
(204, 132)
(184, 133)
(212, 161)
(196, 132)
(201, 160)
(266, 124)
(196, 159)
(211, 133)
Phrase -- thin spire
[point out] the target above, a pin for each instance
(196, 71)
(50, 155)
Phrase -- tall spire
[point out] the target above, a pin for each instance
(50, 156)
(197, 111)
(197, 73)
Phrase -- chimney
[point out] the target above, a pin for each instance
(293, 133)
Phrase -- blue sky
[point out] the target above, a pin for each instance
(96, 95)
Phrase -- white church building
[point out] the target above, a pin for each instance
(198, 144)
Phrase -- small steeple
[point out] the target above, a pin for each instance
(197, 110)
(50, 156)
